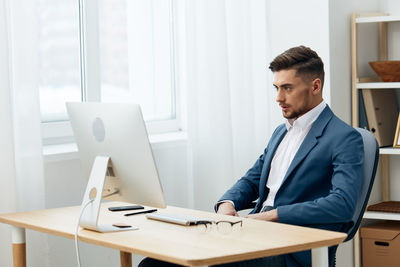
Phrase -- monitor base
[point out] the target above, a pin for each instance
(90, 207)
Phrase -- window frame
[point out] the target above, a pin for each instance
(59, 132)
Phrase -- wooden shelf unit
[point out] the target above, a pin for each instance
(371, 83)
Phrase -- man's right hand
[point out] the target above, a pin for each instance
(227, 208)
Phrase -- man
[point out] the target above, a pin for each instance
(311, 171)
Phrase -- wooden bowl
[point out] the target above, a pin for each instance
(389, 71)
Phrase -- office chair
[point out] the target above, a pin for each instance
(371, 157)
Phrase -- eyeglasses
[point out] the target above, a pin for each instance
(224, 227)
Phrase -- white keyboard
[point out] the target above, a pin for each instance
(174, 218)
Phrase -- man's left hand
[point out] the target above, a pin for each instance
(271, 216)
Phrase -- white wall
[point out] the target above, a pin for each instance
(391, 7)
(7, 180)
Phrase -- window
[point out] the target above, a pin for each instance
(128, 57)
(59, 65)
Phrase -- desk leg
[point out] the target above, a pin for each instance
(320, 257)
(126, 259)
(19, 247)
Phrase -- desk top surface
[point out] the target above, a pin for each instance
(180, 244)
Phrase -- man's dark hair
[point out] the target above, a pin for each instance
(305, 61)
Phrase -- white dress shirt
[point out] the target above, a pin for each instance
(287, 149)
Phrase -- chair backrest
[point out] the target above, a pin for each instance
(371, 157)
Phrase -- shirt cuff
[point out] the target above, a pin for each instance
(223, 201)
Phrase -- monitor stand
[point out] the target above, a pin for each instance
(94, 190)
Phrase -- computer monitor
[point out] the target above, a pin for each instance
(116, 156)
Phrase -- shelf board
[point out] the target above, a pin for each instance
(389, 151)
(378, 85)
(377, 19)
(382, 215)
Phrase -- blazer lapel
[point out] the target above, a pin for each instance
(311, 139)
(276, 140)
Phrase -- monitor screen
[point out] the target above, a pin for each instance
(117, 131)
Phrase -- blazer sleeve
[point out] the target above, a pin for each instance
(339, 205)
(246, 189)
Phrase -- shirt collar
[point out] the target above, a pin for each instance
(306, 119)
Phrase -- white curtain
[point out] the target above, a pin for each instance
(25, 105)
(7, 164)
(22, 179)
(228, 92)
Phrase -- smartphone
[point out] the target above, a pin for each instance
(123, 208)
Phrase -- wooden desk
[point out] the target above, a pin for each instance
(175, 243)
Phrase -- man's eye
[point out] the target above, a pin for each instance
(287, 88)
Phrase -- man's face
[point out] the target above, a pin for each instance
(294, 95)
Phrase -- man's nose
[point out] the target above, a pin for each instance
(279, 96)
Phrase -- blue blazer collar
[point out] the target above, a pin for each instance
(309, 142)
(311, 139)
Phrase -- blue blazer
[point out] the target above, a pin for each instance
(321, 186)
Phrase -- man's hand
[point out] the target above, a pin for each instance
(227, 208)
(271, 216)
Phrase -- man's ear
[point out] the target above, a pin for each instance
(317, 86)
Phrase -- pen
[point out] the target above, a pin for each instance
(141, 212)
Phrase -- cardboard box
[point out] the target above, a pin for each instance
(381, 244)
